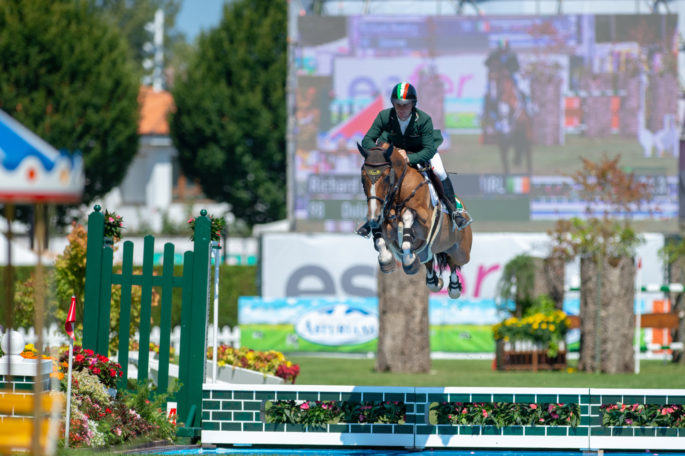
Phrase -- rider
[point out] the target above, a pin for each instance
(410, 131)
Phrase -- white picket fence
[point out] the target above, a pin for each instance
(54, 336)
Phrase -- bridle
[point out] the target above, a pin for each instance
(395, 184)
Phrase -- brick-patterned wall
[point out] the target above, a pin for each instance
(234, 414)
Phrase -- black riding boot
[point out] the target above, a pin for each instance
(456, 214)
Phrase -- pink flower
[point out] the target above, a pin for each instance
(541, 420)
(623, 407)
(533, 406)
(305, 406)
(634, 407)
(110, 220)
(485, 413)
(463, 411)
(629, 421)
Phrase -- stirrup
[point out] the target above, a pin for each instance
(460, 222)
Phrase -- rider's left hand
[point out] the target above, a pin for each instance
(403, 153)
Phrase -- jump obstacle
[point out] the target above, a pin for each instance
(233, 414)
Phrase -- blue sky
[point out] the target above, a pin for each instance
(198, 15)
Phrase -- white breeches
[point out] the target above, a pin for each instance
(438, 168)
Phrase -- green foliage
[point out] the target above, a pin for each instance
(647, 415)
(673, 249)
(216, 229)
(547, 330)
(114, 223)
(67, 76)
(501, 414)
(516, 284)
(70, 271)
(229, 122)
(151, 411)
(325, 412)
(19, 274)
(604, 185)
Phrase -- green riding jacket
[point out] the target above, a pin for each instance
(419, 139)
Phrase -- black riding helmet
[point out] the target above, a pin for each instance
(403, 93)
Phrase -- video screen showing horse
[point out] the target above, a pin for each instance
(518, 100)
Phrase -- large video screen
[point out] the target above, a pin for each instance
(518, 99)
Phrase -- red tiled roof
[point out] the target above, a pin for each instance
(154, 111)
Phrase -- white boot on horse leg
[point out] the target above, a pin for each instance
(454, 287)
(410, 262)
(433, 280)
(385, 258)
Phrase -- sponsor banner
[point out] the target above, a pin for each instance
(345, 265)
(350, 325)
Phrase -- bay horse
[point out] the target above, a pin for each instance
(514, 126)
(412, 229)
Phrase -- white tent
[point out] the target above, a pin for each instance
(21, 256)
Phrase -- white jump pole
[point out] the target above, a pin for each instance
(216, 250)
(638, 315)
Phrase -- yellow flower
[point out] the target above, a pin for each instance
(552, 327)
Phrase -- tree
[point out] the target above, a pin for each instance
(67, 76)
(229, 123)
(403, 333)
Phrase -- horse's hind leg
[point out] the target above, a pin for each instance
(433, 280)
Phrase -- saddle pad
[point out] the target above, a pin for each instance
(434, 194)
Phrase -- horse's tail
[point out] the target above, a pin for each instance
(441, 259)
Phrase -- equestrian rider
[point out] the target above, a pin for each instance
(410, 131)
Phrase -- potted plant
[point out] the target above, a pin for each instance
(606, 242)
(533, 341)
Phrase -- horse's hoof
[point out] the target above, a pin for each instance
(435, 286)
(454, 292)
(388, 267)
(412, 268)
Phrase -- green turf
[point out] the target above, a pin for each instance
(334, 371)
(467, 156)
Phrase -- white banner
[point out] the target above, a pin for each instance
(345, 265)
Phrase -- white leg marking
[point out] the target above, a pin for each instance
(384, 254)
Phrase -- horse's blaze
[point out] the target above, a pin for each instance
(374, 209)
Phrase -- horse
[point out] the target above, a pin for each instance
(514, 125)
(412, 229)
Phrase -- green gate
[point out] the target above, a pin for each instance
(194, 305)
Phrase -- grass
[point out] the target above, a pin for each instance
(467, 156)
(360, 372)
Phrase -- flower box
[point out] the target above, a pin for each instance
(233, 374)
(528, 356)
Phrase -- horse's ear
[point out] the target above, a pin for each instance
(362, 150)
(388, 152)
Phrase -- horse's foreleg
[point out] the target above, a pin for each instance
(433, 280)
(410, 263)
(454, 288)
(385, 258)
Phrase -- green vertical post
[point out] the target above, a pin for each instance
(125, 311)
(184, 352)
(145, 308)
(198, 323)
(91, 304)
(165, 318)
(102, 344)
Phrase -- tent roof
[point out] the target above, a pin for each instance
(31, 170)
